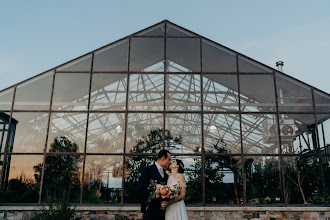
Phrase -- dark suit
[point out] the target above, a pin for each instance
(154, 212)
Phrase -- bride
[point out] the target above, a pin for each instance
(175, 208)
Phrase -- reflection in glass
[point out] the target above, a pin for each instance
(223, 180)
(103, 179)
(66, 98)
(4, 126)
(108, 92)
(257, 93)
(112, 57)
(146, 92)
(222, 133)
(260, 133)
(183, 55)
(34, 94)
(183, 92)
(6, 98)
(220, 92)
(302, 180)
(69, 125)
(30, 134)
(262, 180)
(147, 54)
(21, 180)
(324, 131)
(106, 133)
(183, 133)
(144, 133)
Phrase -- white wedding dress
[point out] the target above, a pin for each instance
(176, 211)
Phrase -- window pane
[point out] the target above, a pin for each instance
(293, 96)
(81, 64)
(220, 92)
(302, 180)
(66, 180)
(222, 133)
(71, 127)
(183, 92)
(183, 54)
(326, 165)
(30, 133)
(112, 57)
(259, 133)
(35, 93)
(262, 180)
(257, 93)
(158, 30)
(71, 91)
(146, 92)
(106, 133)
(103, 179)
(322, 101)
(183, 133)
(4, 126)
(6, 98)
(147, 54)
(324, 137)
(247, 65)
(144, 133)
(217, 58)
(223, 180)
(22, 179)
(108, 92)
(175, 31)
(298, 133)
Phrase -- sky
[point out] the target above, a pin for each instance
(37, 35)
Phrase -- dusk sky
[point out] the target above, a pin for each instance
(38, 35)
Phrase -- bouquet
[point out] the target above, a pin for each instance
(163, 192)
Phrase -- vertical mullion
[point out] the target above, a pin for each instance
(202, 120)
(87, 123)
(7, 138)
(279, 141)
(165, 84)
(47, 136)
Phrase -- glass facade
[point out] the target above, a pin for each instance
(247, 134)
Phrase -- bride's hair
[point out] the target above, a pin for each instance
(181, 166)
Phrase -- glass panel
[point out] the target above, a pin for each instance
(183, 92)
(175, 31)
(292, 95)
(298, 133)
(158, 30)
(302, 180)
(322, 101)
(4, 126)
(259, 133)
(81, 64)
(71, 127)
(35, 93)
(257, 93)
(223, 180)
(217, 58)
(183, 54)
(222, 133)
(106, 133)
(133, 168)
(21, 179)
(262, 180)
(220, 92)
(103, 179)
(247, 65)
(326, 170)
(183, 133)
(108, 92)
(6, 98)
(147, 54)
(112, 57)
(65, 180)
(30, 133)
(71, 91)
(146, 92)
(144, 133)
(324, 131)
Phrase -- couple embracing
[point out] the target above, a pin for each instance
(173, 208)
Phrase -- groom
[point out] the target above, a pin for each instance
(156, 173)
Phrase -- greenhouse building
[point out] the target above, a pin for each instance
(248, 134)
